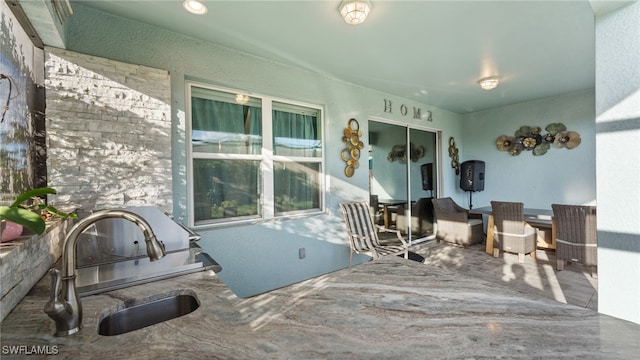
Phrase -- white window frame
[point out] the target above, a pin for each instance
(266, 158)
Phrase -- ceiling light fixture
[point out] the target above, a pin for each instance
(195, 7)
(489, 83)
(354, 12)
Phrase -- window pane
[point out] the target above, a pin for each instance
(222, 123)
(296, 131)
(297, 186)
(226, 188)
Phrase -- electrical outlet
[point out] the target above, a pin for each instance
(301, 253)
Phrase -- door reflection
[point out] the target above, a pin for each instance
(402, 177)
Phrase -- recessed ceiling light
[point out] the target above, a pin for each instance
(195, 7)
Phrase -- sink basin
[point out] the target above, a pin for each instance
(147, 314)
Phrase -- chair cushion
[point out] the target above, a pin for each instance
(518, 243)
(472, 222)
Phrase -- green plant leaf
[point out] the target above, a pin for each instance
(24, 217)
(53, 210)
(32, 193)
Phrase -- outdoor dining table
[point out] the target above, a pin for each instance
(387, 204)
(538, 218)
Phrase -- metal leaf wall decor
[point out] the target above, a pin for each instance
(529, 138)
(399, 152)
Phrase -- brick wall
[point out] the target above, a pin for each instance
(108, 129)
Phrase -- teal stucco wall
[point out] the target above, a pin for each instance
(258, 257)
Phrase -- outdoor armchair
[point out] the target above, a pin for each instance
(421, 218)
(511, 232)
(454, 223)
(576, 236)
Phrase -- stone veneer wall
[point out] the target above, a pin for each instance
(108, 145)
(108, 129)
(24, 261)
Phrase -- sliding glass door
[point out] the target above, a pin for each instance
(403, 163)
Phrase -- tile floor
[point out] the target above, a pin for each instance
(574, 285)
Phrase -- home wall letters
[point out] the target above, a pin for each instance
(404, 111)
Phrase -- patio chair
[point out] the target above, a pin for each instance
(363, 233)
(576, 236)
(454, 224)
(511, 232)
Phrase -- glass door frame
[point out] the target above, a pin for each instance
(437, 168)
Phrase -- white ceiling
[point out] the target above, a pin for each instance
(432, 52)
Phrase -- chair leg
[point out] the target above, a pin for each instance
(350, 256)
(496, 252)
(533, 254)
(520, 257)
(560, 265)
(406, 253)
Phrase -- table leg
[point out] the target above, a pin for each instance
(545, 236)
(553, 234)
(386, 216)
(489, 246)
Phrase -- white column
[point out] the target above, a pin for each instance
(618, 161)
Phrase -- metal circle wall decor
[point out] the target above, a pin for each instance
(351, 153)
(453, 154)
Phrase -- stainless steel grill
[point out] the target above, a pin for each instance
(111, 254)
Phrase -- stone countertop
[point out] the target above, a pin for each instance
(389, 308)
(29, 326)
